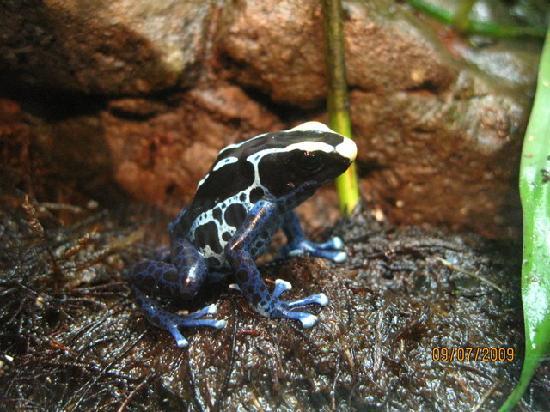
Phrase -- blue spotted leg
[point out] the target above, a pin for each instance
(249, 279)
(182, 276)
(298, 245)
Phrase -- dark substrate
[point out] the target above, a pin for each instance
(72, 337)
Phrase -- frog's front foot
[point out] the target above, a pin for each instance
(172, 322)
(333, 249)
(283, 309)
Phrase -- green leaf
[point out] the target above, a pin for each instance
(484, 28)
(535, 200)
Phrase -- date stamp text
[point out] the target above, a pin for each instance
(473, 354)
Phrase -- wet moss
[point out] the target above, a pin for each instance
(73, 338)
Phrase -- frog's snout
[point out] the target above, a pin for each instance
(347, 149)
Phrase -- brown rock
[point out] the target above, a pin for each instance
(278, 48)
(160, 159)
(103, 47)
(448, 159)
(155, 149)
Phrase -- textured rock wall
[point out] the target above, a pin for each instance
(146, 92)
(104, 47)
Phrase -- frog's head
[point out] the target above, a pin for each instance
(302, 158)
(291, 162)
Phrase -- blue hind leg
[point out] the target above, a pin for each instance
(182, 274)
(298, 245)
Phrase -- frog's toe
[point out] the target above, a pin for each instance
(318, 299)
(211, 323)
(283, 309)
(195, 319)
(332, 249)
(181, 342)
(337, 243)
(335, 256)
(307, 319)
(207, 310)
(172, 323)
(334, 243)
(281, 286)
(338, 257)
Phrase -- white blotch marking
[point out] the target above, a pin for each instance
(347, 149)
(223, 162)
(222, 227)
(212, 309)
(208, 252)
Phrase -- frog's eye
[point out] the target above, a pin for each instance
(310, 162)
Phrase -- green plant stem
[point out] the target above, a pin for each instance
(478, 27)
(461, 20)
(535, 199)
(337, 99)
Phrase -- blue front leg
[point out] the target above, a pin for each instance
(249, 278)
(298, 245)
(181, 273)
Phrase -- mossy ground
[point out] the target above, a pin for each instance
(73, 338)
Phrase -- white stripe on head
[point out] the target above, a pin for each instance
(305, 146)
(310, 147)
(307, 126)
(313, 126)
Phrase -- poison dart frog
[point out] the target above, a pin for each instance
(249, 193)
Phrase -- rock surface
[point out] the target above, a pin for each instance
(157, 150)
(103, 47)
(162, 158)
(279, 49)
(438, 121)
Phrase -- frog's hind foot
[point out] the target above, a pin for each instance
(283, 309)
(172, 322)
(333, 249)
